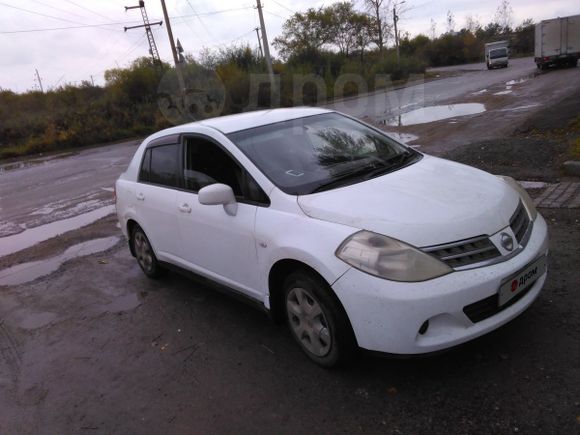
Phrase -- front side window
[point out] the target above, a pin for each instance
(164, 165)
(321, 152)
(206, 164)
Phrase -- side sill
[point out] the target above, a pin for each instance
(218, 286)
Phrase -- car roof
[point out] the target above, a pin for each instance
(243, 121)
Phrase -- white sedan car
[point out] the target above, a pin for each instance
(354, 239)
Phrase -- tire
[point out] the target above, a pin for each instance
(145, 255)
(317, 321)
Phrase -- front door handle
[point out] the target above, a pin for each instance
(140, 197)
(185, 208)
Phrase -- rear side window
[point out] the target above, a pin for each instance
(164, 165)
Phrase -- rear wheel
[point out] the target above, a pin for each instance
(317, 321)
(145, 255)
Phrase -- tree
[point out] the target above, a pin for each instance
(338, 25)
(341, 18)
(364, 29)
(450, 20)
(378, 9)
(308, 31)
(504, 16)
(433, 29)
(472, 24)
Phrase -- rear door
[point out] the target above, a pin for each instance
(213, 243)
(551, 37)
(573, 33)
(156, 197)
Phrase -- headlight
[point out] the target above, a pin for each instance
(528, 202)
(390, 259)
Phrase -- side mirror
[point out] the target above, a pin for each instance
(219, 194)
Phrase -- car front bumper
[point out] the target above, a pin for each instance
(387, 316)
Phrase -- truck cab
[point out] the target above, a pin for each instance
(497, 54)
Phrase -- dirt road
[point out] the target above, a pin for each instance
(89, 345)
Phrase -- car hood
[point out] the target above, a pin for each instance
(431, 202)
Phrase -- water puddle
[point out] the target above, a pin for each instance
(124, 303)
(35, 320)
(26, 272)
(25, 164)
(507, 91)
(425, 115)
(483, 91)
(531, 185)
(32, 236)
(528, 106)
(515, 82)
(402, 137)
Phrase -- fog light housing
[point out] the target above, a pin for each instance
(424, 327)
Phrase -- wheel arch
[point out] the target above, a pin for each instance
(278, 273)
(131, 225)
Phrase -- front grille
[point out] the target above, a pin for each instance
(464, 252)
(520, 222)
(489, 306)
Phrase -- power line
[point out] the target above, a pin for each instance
(275, 14)
(88, 10)
(191, 28)
(57, 9)
(205, 14)
(198, 17)
(39, 13)
(83, 26)
(285, 7)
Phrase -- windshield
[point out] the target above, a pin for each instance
(496, 54)
(321, 152)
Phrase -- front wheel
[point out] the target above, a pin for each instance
(317, 321)
(145, 255)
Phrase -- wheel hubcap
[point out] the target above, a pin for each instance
(143, 252)
(308, 322)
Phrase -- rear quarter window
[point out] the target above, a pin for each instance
(145, 167)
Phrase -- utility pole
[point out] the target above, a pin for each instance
(173, 49)
(152, 45)
(257, 29)
(92, 80)
(266, 45)
(39, 81)
(395, 19)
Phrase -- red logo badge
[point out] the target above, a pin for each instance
(514, 285)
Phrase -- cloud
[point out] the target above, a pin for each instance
(75, 54)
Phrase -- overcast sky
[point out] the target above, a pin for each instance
(74, 54)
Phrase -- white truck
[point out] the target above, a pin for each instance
(558, 42)
(496, 54)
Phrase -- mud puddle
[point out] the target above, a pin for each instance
(27, 272)
(32, 236)
(402, 137)
(425, 115)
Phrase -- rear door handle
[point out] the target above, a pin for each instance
(185, 208)
(140, 197)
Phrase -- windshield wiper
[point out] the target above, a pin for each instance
(391, 164)
(343, 179)
(367, 172)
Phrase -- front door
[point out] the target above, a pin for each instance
(213, 243)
